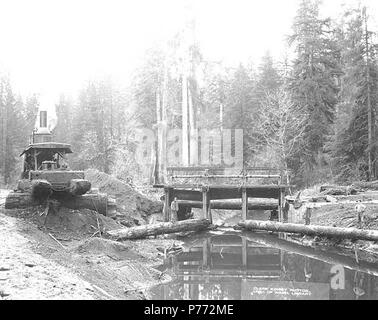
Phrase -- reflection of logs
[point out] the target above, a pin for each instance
(159, 228)
(231, 205)
(311, 230)
(328, 257)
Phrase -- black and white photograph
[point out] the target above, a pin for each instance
(206, 152)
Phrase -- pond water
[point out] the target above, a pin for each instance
(249, 266)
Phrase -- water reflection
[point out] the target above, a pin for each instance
(231, 266)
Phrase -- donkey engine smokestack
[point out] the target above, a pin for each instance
(41, 133)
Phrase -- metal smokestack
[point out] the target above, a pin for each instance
(42, 133)
(43, 119)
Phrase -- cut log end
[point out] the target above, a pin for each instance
(79, 187)
(41, 189)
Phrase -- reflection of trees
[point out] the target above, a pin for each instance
(173, 290)
(295, 266)
(225, 290)
(217, 276)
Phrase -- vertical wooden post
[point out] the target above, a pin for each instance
(244, 204)
(279, 206)
(204, 204)
(206, 210)
(35, 160)
(167, 203)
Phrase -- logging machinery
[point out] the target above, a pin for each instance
(46, 174)
(45, 171)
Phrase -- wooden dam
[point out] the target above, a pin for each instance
(210, 188)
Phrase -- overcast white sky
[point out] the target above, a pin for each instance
(51, 47)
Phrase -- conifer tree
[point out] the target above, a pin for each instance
(312, 80)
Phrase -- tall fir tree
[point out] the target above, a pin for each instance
(64, 112)
(312, 82)
(11, 135)
(358, 98)
(269, 79)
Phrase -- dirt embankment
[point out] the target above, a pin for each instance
(61, 254)
(24, 274)
(339, 211)
(133, 207)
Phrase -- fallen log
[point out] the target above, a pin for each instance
(338, 190)
(321, 198)
(231, 205)
(97, 202)
(311, 230)
(372, 185)
(158, 228)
